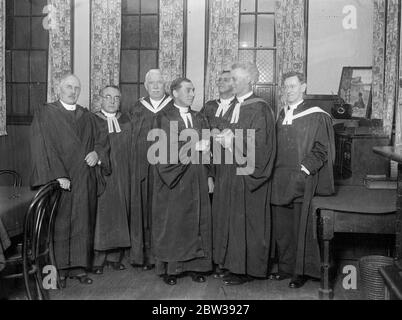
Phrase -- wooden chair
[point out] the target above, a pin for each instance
(37, 245)
(15, 175)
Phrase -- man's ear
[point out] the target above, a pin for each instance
(174, 94)
(304, 87)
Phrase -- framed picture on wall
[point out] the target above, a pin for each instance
(355, 89)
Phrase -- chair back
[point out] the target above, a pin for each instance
(37, 248)
(17, 178)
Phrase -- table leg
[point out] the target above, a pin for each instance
(326, 234)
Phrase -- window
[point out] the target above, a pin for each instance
(257, 43)
(139, 47)
(27, 45)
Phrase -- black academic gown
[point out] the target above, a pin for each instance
(60, 141)
(181, 212)
(241, 210)
(308, 141)
(112, 219)
(141, 183)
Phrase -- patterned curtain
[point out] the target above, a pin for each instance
(290, 37)
(2, 68)
(385, 61)
(105, 47)
(59, 25)
(398, 118)
(223, 41)
(171, 38)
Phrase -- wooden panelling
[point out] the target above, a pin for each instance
(15, 151)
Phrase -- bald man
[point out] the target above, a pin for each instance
(67, 147)
(143, 114)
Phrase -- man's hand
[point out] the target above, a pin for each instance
(211, 185)
(92, 159)
(64, 183)
(203, 146)
(225, 138)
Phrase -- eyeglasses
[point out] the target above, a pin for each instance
(111, 99)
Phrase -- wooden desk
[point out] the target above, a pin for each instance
(14, 203)
(353, 209)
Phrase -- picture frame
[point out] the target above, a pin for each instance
(355, 89)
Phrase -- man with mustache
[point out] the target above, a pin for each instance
(66, 146)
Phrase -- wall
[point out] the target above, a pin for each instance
(340, 33)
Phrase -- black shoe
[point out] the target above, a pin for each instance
(196, 277)
(236, 279)
(97, 270)
(297, 282)
(116, 265)
(219, 273)
(279, 276)
(62, 282)
(170, 280)
(83, 279)
(148, 267)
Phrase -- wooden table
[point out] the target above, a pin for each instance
(14, 203)
(353, 209)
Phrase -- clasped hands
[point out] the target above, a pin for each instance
(225, 138)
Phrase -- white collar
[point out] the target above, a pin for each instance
(69, 107)
(156, 103)
(244, 97)
(108, 114)
(226, 101)
(182, 109)
(295, 105)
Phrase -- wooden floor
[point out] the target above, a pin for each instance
(135, 284)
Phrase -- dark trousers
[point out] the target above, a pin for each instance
(286, 228)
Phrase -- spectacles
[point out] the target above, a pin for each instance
(111, 99)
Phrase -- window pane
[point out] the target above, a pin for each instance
(247, 6)
(38, 6)
(38, 96)
(129, 96)
(149, 32)
(8, 65)
(266, 5)
(9, 8)
(22, 33)
(143, 91)
(266, 65)
(38, 66)
(246, 31)
(149, 6)
(246, 56)
(22, 7)
(20, 66)
(40, 37)
(20, 99)
(130, 32)
(147, 61)
(130, 6)
(129, 66)
(9, 98)
(265, 30)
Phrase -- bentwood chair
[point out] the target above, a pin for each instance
(37, 246)
(15, 175)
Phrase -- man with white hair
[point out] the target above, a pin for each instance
(67, 147)
(241, 202)
(143, 114)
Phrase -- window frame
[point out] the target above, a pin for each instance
(140, 82)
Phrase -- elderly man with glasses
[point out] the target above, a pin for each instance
(112, 221)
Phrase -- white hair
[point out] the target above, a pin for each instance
(151, 72)
(67, 76)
